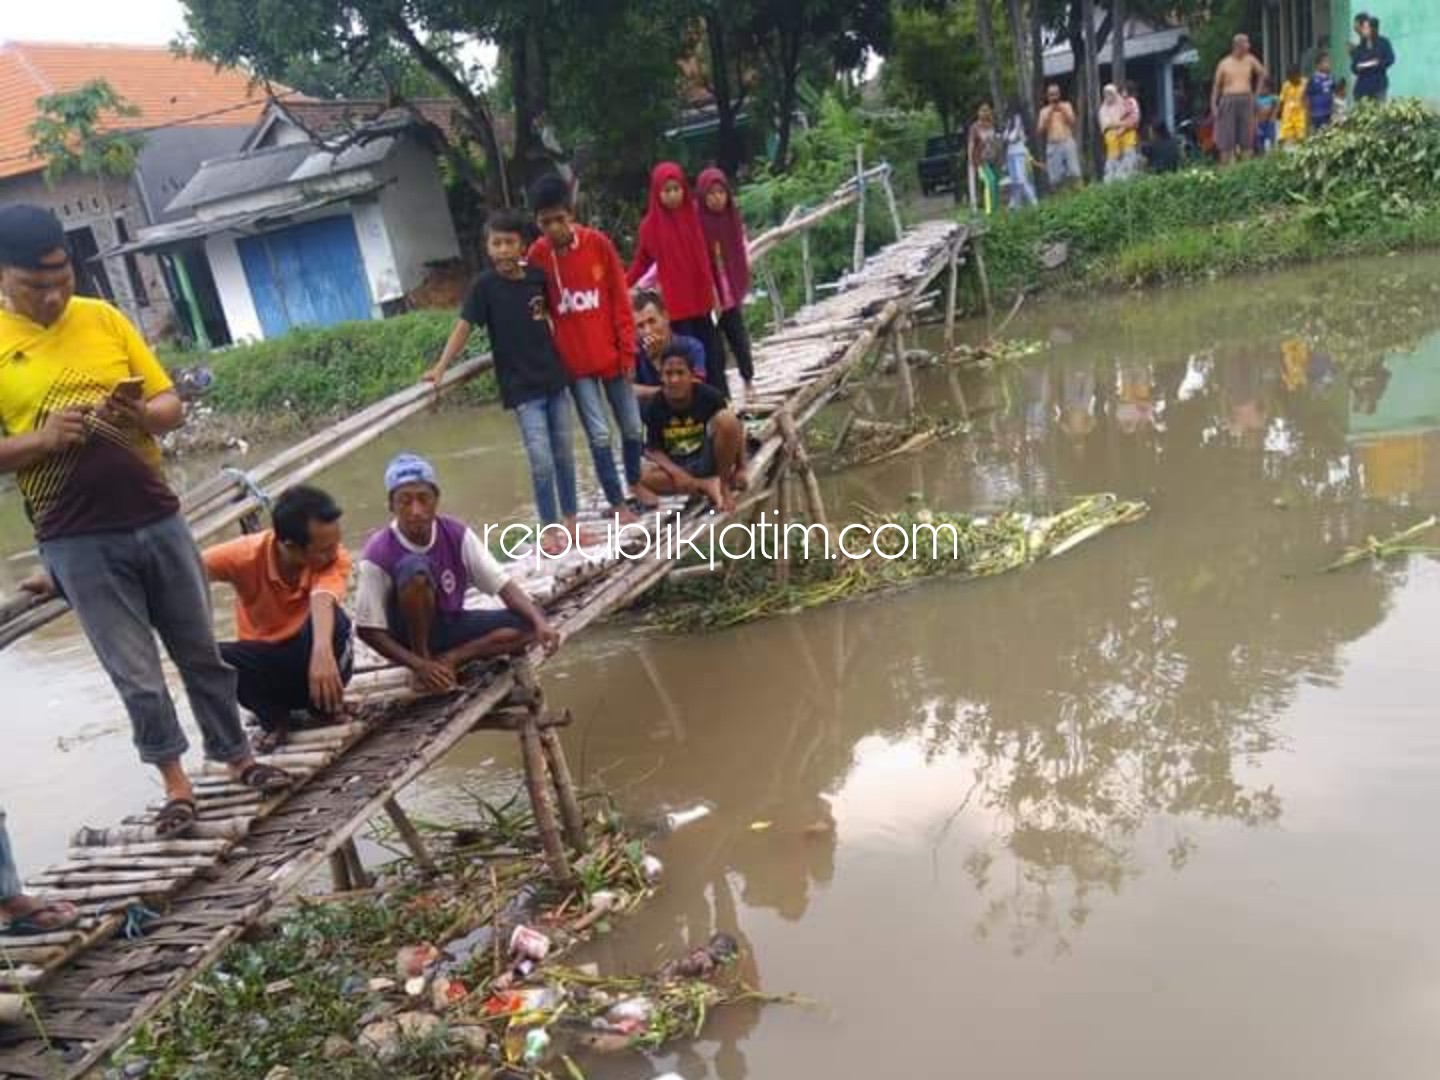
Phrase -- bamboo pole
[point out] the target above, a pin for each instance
(951, 282)
(88, 839)
(411, 836)
(859, 254)
(907, 378)
(570, 814)
(984, 279)
(359, 877)
(806, 269)
(893, 205)
(772, 290)
(782, 518)
(340, 872)
(534, 761)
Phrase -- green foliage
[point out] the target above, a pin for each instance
(316, 372)
(67, 133)
(935, 60)
(1367, 185)
(1384, 160)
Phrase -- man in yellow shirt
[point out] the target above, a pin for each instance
(294, 650)
(82, 398)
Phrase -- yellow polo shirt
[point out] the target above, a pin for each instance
(113, 480)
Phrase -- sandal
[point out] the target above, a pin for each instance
(176, 818)
(268, 742)
(48, 918)
(266, 779)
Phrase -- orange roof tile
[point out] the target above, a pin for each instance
(168, 89)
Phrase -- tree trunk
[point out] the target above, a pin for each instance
(986, 27)
(1016, 21)
(728, 97)
(1087, 62)
(1117, 47)
(530, 71)
(477, 112)
(789, 53)
(1037, 51)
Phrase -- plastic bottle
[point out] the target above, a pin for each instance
(678, 819)
(537, 1041)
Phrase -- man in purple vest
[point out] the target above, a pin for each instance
(410, 600)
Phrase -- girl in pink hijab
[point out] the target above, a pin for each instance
(725, 243)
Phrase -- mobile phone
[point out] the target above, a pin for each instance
(132, 388)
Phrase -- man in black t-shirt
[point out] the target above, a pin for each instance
(510, 302)
(694, 442)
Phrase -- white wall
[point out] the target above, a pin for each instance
(376, 252)
(234, 290)
(416, 213)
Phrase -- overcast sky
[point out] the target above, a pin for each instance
(130, 22)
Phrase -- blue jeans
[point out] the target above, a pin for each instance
(9, 876)
(127, 586)
(590, 395)
(1022, 189)
(550, 446)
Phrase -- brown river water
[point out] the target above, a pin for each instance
(1155, 808)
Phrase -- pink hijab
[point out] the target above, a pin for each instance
(725, 240)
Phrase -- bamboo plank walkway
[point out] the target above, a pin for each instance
(247, 855)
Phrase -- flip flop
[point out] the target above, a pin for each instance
(268, 742)
(176, 818)
(266, 779)
(63, 915)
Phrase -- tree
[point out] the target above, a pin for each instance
(934, 61)
(68, 133)
(1024, 78)
(985, 24)
(270, 36)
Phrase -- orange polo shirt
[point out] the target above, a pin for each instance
(268, 608)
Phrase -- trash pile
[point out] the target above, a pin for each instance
(901, 551)
(458, 975)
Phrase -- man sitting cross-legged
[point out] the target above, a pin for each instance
(294, 650)
(410, 604)
(694, 442)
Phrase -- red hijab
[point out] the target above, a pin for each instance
(674, 240)
(725, 238)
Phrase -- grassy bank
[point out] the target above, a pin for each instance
(315, 373)
(1371, 186)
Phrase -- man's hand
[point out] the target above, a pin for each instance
(327, 690)
(547, 637)
(39, 585)
(434, 676)
(434, 375)
(652, 345)
(63, 430)
(124, 412)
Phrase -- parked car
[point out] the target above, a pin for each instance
(940, 168)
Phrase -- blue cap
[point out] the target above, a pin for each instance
(408, 468)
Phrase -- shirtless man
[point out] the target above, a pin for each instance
(1232, 101)
(1062, 155)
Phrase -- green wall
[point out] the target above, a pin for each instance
(1413, 27)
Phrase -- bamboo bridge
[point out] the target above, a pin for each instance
(88, 989)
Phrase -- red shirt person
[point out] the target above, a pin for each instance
(594, 330)
(673, 241)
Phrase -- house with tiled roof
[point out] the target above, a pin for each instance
(328, 212)
(188, 111)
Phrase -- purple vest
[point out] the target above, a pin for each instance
(445, 560)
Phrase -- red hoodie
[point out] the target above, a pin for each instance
(594, 323)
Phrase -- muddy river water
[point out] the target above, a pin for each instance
(1158, 808)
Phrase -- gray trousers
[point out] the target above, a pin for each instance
(125, 588)
(9, 876)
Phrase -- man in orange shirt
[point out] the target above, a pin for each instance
(294, 649)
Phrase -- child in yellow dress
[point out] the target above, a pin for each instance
(1294, 113)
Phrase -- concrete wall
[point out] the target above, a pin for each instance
(1413, 27)
(381, 270)
(416, 213)
(229, 273)
(81, 202)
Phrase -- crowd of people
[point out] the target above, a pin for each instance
(1247, 116)
(83, 400)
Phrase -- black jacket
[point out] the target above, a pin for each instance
(1371, 80)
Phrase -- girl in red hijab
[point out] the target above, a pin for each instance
(725, 244)
(672, 241)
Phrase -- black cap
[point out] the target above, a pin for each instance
(27, 234)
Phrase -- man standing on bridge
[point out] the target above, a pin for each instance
(82, 399)
(1232, 100)
(414, 573)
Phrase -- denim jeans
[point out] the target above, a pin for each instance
(550, 446)
(1022, 188)
(9, 876)
(127, 586)
(590, 396)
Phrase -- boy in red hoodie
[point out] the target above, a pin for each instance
(594, 332)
